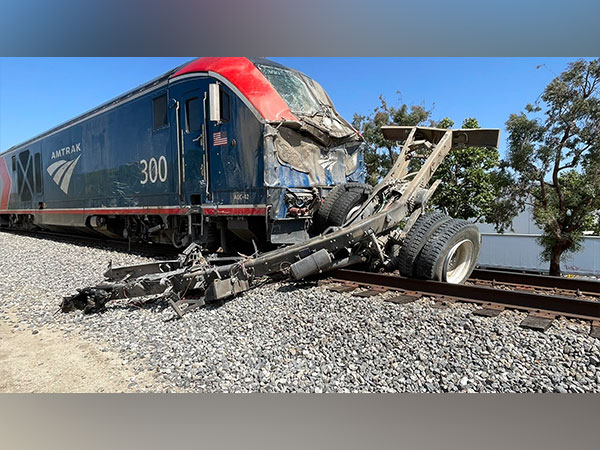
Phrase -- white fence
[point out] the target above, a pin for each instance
(521, 251)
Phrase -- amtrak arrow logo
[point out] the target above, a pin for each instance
(61, 172)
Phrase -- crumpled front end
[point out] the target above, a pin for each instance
(299, 170)
(306, 152)
(294, 160)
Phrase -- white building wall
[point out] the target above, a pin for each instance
(522, 252)
(518, 249)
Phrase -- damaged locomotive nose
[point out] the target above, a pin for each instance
(88, 300)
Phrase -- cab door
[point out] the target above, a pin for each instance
(233, 163)
(193, 157)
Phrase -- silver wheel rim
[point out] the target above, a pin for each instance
(458, 262)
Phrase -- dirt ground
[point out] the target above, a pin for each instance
(45, 360)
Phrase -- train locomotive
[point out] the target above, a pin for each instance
(232, 153)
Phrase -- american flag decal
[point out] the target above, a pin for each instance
(220, 138)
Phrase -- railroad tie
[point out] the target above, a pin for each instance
(542, 308)
(595, 329)
(538, 320)
(344, 288)
(489, 310)
(368, 293)
(404, 298)
(443, 301)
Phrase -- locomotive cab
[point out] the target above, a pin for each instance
(273, 146)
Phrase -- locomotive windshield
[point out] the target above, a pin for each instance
(292, 89)
(307, 100)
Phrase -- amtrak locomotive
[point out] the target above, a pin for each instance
(228, 152)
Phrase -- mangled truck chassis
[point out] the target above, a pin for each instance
(381, 222)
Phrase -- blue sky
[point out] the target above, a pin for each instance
(39, 93)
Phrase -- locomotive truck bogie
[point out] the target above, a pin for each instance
(232, 153)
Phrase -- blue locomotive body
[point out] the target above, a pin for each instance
(216, 151)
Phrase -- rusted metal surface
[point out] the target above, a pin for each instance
(344, 288)
(557, 305)
(568, 284)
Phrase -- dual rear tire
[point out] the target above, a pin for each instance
(440, 248)
(341, 202)
(437, 247)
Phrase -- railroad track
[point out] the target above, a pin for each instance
(541, 283)
(543, 297)
(543, 308)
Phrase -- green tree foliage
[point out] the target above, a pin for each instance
(380, 154)
(468, 189)
(468, 175)
(554, 159)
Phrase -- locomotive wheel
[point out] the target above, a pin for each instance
(180, 240)
(450, 253)
(340, 202)
(416, 239)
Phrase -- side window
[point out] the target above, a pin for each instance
(225, 106)
(193, 118)
(39, 187)
(25, 176)
(159, 108)
(14, 162)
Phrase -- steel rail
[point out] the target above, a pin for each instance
(573, 284)
(554, 304)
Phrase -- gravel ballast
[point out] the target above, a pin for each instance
(296, 337)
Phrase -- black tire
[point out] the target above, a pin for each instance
(342, 207)
(361, 188)
(324, 210)
(339, 202)
(431, 262)
(416, 239)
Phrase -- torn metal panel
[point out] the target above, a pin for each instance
(322, 165)
(272, 166)
(294, 160)
(299, 152)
